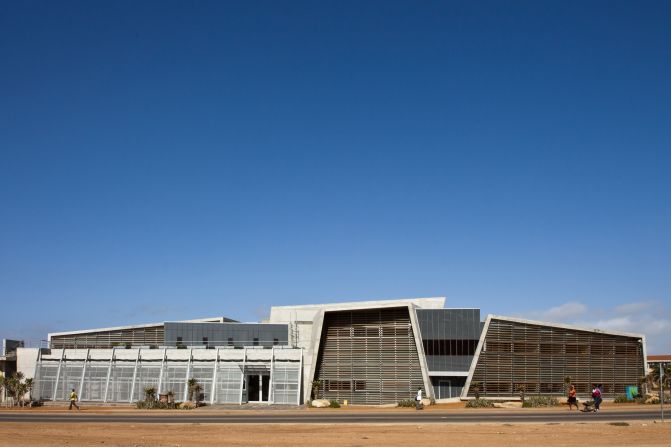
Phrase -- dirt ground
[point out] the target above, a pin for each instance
(290, 435)
(18, 434)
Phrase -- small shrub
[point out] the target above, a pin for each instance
(621, 399)
(149, 393)
(479, 403)
(540, 401)
(476, 387)
(407, 403)
(619, 424)
(156, 405)
(651, 399)
(334, 404)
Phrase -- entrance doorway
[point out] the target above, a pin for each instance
(444, 389)
(258, 386)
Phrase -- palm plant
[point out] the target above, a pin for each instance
(316, 386)
(197, 390)
(21, 390)
(15, 388)
(10, 385)
(522, 389)
(150, 393)
(29, 385)
(476, 387)
(191, 383)
(653, 379)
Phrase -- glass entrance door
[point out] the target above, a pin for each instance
(258, 386)
(444, 389)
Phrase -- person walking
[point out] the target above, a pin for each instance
(418, 399)
(572, 399)
(596, 395)
(73, 400)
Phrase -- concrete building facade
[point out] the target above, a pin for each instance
(367, 352)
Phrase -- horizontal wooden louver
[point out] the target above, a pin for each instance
(368, 357)
(144, 336)
(540, 357)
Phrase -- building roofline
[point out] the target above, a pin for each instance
(658, 357)
(566, 326)
(436, 300)
(138, 326)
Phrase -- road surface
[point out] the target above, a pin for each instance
(349, 417)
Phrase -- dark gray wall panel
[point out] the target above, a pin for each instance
(243, 334)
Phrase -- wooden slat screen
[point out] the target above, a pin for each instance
(542, 356)
(368, 357)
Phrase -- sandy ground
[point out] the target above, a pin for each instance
(640, 434)
(286, 435)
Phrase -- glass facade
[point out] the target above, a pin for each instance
(125, 373)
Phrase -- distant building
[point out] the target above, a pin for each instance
(369, 352)
(657, 359)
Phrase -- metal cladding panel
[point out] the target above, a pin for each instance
(368, 357)
(462, 327)
(541, 357)
(449, 362)
(218, 334)
(449, 324)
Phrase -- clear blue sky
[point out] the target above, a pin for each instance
(167, 160)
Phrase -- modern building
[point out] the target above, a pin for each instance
(368, 352)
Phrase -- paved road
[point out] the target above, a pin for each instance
(342, 418)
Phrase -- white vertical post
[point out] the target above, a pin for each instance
(109, 375)
(58, 374)
(300, 379)
(242, 380)
(132, 386)
(160, 373)
(214, 378)
(81, 381)
(37, 377)
(271, 392)
(188, 372)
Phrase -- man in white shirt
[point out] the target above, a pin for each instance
(418, 399)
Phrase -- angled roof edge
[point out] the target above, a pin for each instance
(566, 326)
(139, 326)
(423, 303)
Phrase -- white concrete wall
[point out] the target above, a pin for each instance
(26, 359)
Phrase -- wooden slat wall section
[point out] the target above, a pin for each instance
(368, 357)
(541, 356)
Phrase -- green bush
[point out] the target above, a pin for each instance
(540, 401)
(479, 403)
(621, 399)
(334, 404)
(407, 403)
